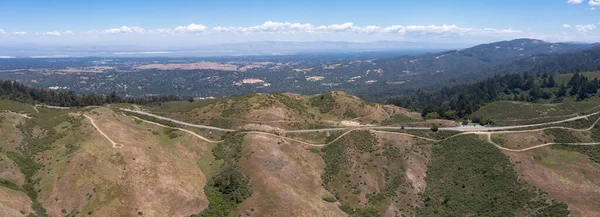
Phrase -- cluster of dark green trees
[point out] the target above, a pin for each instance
(462, 100)
(19, 92)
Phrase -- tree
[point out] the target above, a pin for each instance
(551, 82)
(434, 128)
(562, 91)
(191, 99)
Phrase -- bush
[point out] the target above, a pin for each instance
(229, 187)
(467, 175)
(330, 199)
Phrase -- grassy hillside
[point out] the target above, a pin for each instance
(512, 112)
(285, 111)
(469, 177)
(69, 168)
(99, 161)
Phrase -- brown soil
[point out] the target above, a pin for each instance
(526, 139)
(567, 176)
(10, 134)
(10, 171)
(148, 175)
(285, 178)
(14, 203)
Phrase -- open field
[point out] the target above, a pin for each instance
(514, 113)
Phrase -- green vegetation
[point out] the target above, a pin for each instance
(10, 185)
(464, 100)
(229, 187)
(171, 132)
(439, 135)
(396, 119)
(499, 139)
(334, 156)
(349, 113)
(360, 148)
(39, 134)
(593, 151)
(562, 135)
(362, 140)
(330, 199)
(292, 103)
(324, 102)
(595, 133)
(16, 91)
(469, 176)
(15, 106)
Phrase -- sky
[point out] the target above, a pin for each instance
(202, 22)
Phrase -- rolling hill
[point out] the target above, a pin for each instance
(102, 161)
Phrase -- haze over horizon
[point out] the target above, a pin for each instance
(182, 24)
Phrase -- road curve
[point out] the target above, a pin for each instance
(114, 144)
(178, 122)
(460, 129)
(488, 134)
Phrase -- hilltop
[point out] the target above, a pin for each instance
(102, 161)
(285, 111)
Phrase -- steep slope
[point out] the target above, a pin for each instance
(286, 180)
(70, 167)
(285, 111)
(100, 161)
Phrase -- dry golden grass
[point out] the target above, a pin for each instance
(285, 178)
(10, 134)
(525, 139)
(151, 174)
(567, 176)
(14, 203)
(10, 171)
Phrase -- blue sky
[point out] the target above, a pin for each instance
(230, 21)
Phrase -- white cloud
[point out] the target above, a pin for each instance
(123, 30)
(59, 33)
(19, 33)
(192, 28)
(566, 26)
(574, 1)
(585, 28)
(594, 2)
(298, 31)
(2, 32)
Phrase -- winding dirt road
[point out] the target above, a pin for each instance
(489, 134)
(114, 144)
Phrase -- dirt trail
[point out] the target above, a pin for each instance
(184, 130)
(114, 144)
(398, 133)
(19, 114)
(489, 139)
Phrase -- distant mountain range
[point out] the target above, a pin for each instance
(376, 74)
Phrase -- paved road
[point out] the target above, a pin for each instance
(178, 122)
(469, 128)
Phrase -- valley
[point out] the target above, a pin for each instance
(103, 155)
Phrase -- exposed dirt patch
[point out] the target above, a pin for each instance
(526, 139)
(567, 176)
(286, 179)
(10, 171)
(14, 203)
(415, 160)
(152, 174)
(10, 134)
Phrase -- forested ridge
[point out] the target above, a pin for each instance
(462, 100)
(16, 91)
